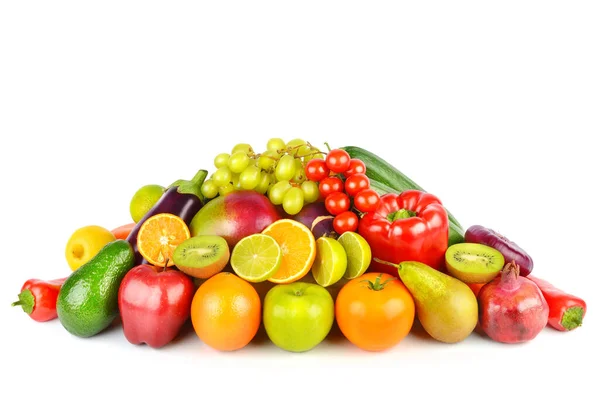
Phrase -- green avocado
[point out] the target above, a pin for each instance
(88, 300)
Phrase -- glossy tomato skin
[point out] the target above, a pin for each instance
(337, 202)
(366, 200)
(356, 183)
(338, 160)
(375, 320)
(316, 170)
(356, 166)
(329, 185)
(344, 222)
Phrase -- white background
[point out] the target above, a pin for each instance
(492, 107)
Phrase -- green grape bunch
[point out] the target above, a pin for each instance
(278, 173)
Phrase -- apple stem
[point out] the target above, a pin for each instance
(166, 264)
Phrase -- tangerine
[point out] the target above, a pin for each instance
(158, 237)
(226, 312)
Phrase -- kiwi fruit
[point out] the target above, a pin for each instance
(473, 262)
(202, 256)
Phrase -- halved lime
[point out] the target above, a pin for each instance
(358, 252)
(330, 262)
(256, 258)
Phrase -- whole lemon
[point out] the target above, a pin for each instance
(85, 243)
(143, 200)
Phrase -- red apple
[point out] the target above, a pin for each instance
(234, 216)
(154, 303)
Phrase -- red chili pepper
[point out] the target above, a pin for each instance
(566, 310)
(410, 226)
(38, 298)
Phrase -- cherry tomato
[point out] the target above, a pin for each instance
(356, 167)
(337, 202)
(338, 160)
(316, 170)
(366, 200)
(356, 183)
(344, 222)
(375, 311)
(329, 185)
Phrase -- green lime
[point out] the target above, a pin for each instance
(358, 252)
(330, 262)
(256, 258)
(143, 200)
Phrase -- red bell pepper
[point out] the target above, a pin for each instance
(38, 298)
(410, 226)
(154, 303)
(566, 310)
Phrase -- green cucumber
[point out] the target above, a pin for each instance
(381, 188)
(382, 171)
(385, 178)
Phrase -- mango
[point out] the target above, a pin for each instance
(234, 216)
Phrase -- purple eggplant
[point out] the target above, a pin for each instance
(509, 249)
(182, 198)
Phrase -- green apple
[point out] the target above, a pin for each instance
(298, 316)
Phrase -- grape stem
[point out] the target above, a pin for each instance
(263, 155)
(290, 150)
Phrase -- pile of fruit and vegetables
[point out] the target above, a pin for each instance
(298, 238)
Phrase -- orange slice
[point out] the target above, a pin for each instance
(158, 237)
(298, 247)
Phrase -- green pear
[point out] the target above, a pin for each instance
(446, 307)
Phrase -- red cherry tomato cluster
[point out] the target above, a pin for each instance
(343, 184)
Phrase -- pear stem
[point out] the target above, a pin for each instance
(387, 263)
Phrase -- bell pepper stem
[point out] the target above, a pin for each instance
(401, 214)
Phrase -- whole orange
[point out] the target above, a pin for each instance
(375, 311)
(226, 312)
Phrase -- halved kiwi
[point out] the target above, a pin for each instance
(202, 256)
(473, 262)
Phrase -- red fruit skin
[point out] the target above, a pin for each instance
(512, 313)
(154, 304)
(356, 167)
